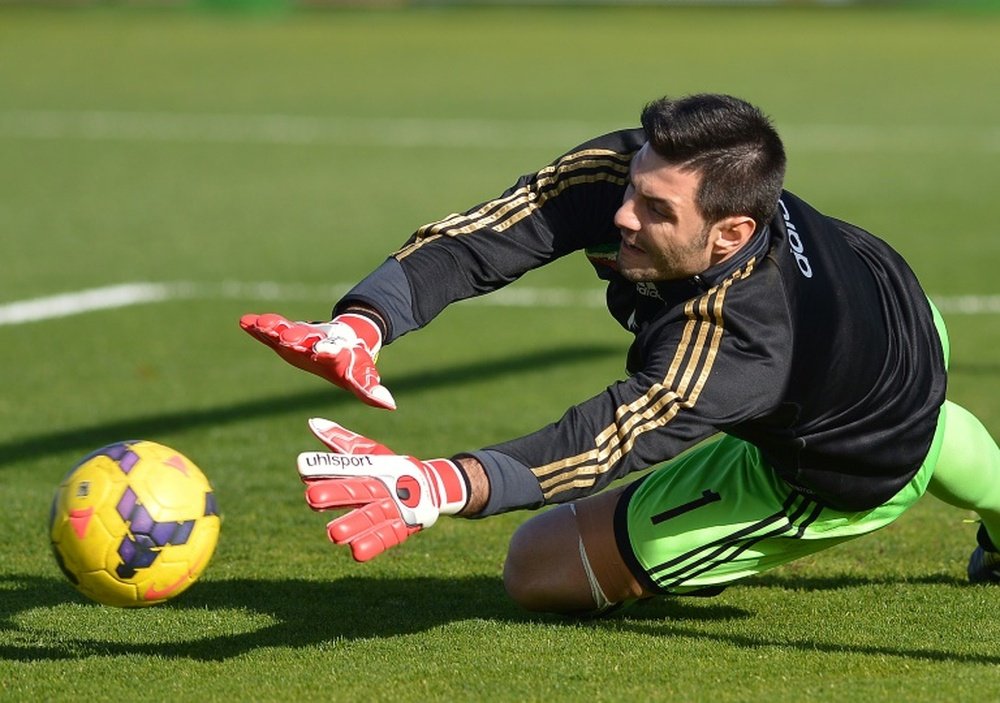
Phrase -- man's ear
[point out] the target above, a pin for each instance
(732, 233)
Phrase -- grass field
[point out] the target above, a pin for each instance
(222, 151)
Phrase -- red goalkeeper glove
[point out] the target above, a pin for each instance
(343, 351)
(390, 497)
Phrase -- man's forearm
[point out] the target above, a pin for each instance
(479, 486)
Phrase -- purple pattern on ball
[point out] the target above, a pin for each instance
(128, 461)
(127, 550)
(136, 554)
(142, 521)
(115, 451)
(144, 559)
(126, 504)
(112, 451)
(211, 506)
(146, 537)
(183, 532)
(162, 532)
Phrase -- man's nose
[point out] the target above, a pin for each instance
(625, 217)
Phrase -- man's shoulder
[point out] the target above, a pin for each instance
(796, 213)
(623, 141)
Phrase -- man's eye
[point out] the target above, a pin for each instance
(661, 212)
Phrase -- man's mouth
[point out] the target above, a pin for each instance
(632, 247)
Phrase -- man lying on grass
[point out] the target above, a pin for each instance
(804, 344)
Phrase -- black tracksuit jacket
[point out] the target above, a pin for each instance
(815, 342)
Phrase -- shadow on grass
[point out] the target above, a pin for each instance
(838, 583)
(86, 438)
(296, 613)
(289, 613)
(833, 583)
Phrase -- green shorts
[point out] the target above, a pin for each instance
(720, 513)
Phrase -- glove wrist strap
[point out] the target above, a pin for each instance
(451, 484)
(365, 328)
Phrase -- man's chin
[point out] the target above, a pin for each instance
(635, 274)
(630, 271)
(641, 275)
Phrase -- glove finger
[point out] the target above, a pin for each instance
(264, 328)
(370, 530)
(249, 321)
(378, 397)
(301, 337)
(334, 493)
(354, 370)
(342, 440)
(268, 329)
(372, 543)
(363, 519)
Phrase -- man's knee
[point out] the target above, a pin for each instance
(520, 570)
(543, 570)
(565, 560)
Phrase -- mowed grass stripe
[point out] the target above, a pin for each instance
(143, 293)
(278, 129)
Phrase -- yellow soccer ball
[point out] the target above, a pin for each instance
(134, 523)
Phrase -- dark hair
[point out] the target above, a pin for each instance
(731, 143)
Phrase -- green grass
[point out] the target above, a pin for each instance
(891, 121)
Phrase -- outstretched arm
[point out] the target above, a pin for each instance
(566, 206)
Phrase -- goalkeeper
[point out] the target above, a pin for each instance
(800, 346)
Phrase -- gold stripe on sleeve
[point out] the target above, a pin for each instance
(693, 361)
(505, 212)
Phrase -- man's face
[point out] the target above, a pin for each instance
(664, 237)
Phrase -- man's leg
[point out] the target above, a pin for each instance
(967, 473)
(566, 560)
(571, 559)
(709, 518)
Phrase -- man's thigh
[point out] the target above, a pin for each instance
(712, 516)
(720, 513)
(566, 559)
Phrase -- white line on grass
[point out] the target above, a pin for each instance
(129, 294)
(277, 129)
(66, 304)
